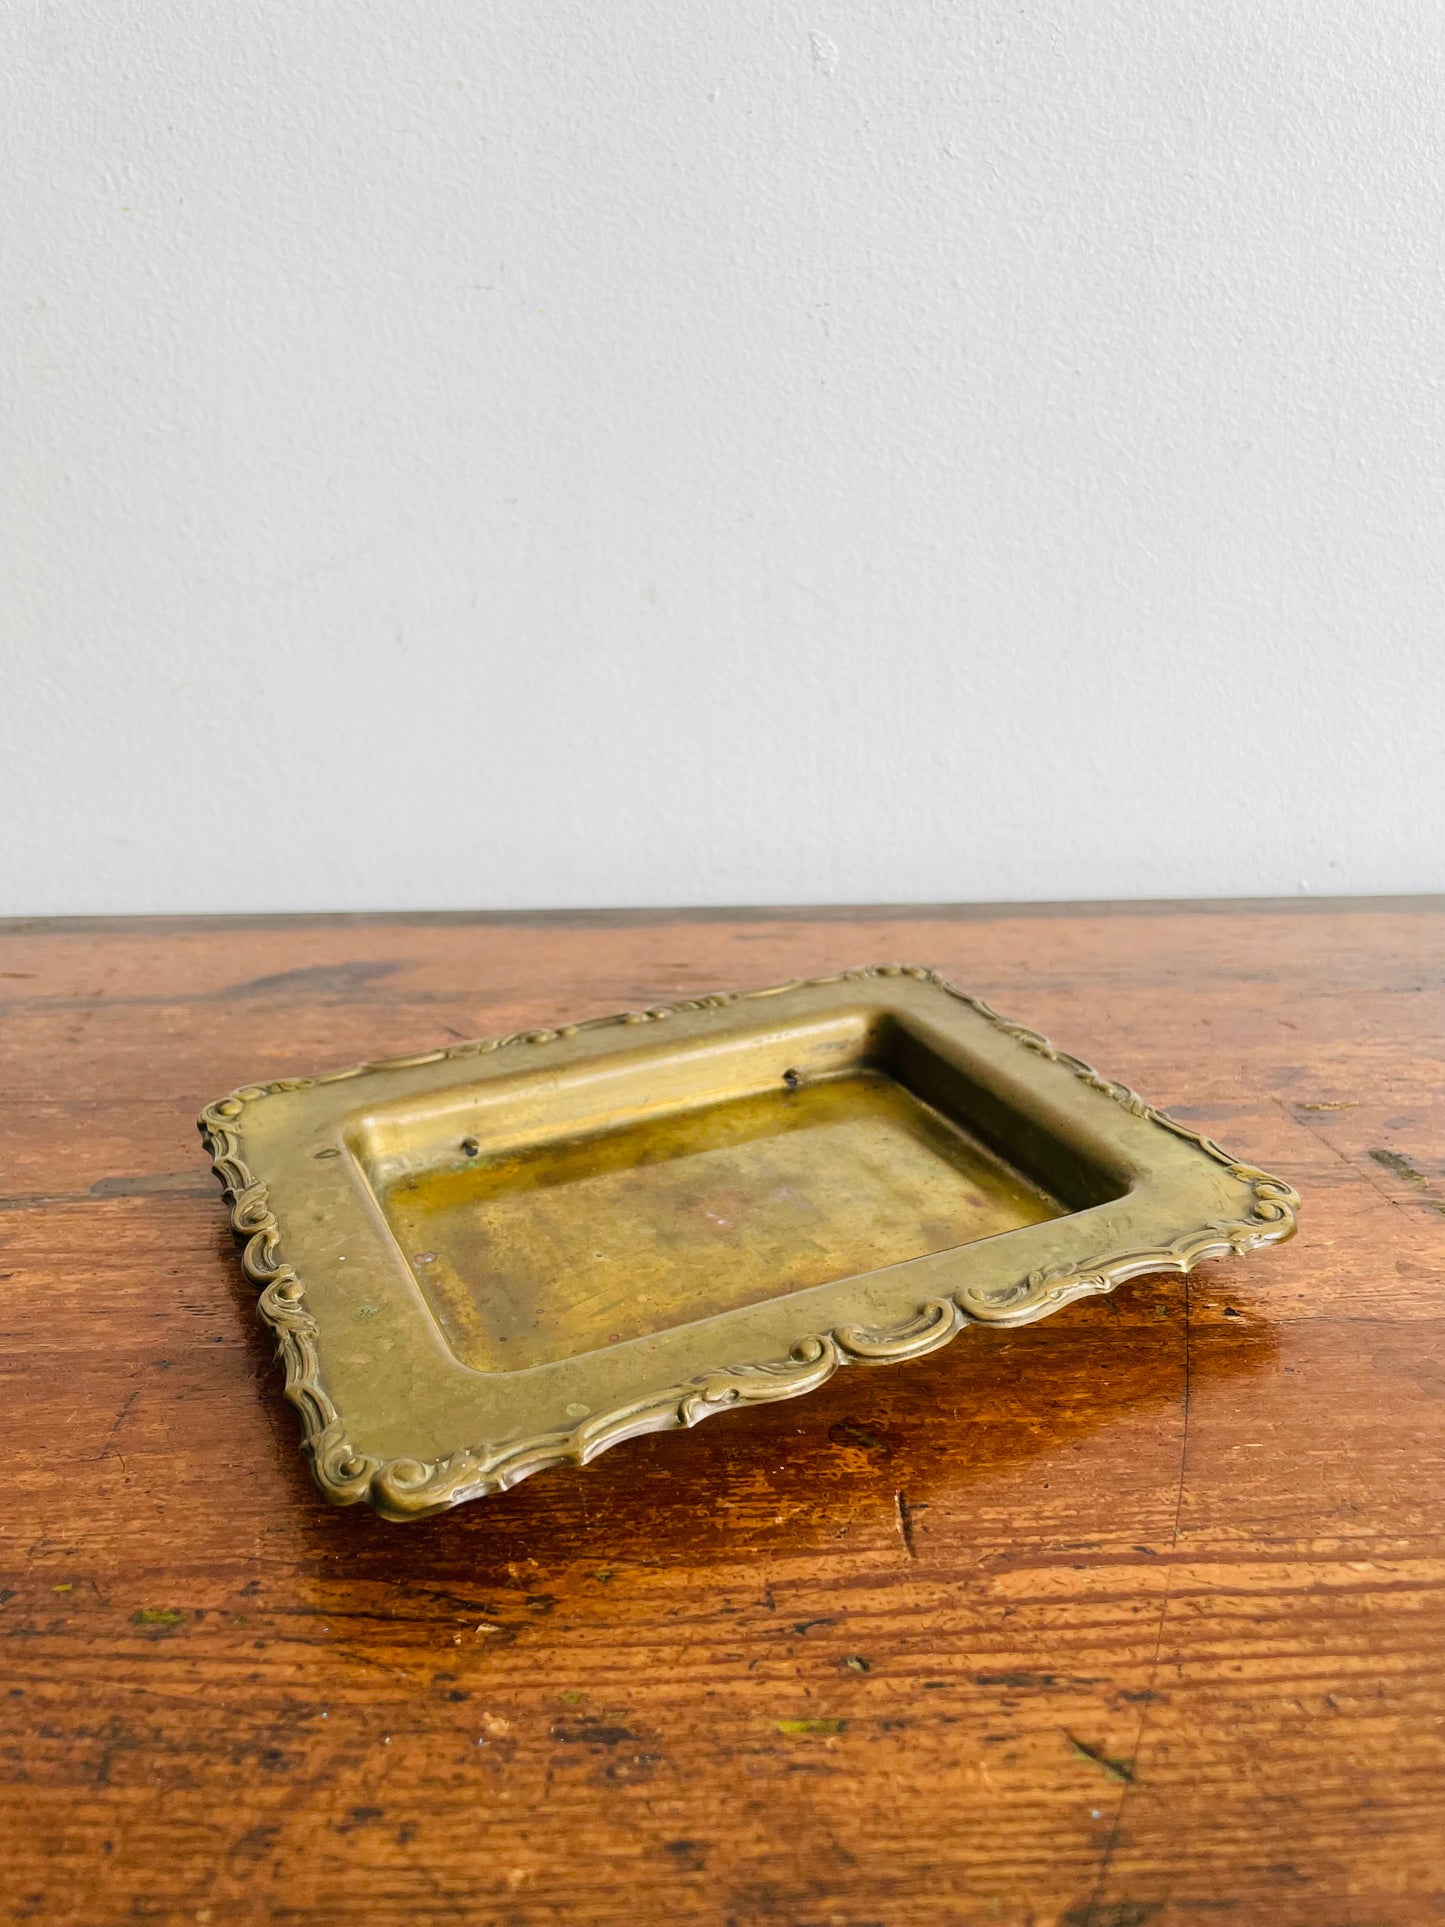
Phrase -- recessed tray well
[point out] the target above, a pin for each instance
(581, 1242)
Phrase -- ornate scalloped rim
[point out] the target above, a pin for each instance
(408, 1488)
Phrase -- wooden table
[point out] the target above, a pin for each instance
(1136, 1615)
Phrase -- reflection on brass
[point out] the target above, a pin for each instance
(514, 1253)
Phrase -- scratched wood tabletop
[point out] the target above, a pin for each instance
(1135, 1615)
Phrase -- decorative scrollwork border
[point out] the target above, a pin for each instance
(410, 1488)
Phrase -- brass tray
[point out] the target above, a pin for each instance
(511, 1254)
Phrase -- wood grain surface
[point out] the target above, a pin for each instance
(1134, 1616)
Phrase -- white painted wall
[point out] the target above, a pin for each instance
(661, 452)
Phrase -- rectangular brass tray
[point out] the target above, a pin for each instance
(511, 1254)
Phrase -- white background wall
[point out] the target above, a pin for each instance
(660, 452)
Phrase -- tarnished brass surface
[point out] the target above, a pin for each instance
(514, 1253)
(589, 1241)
